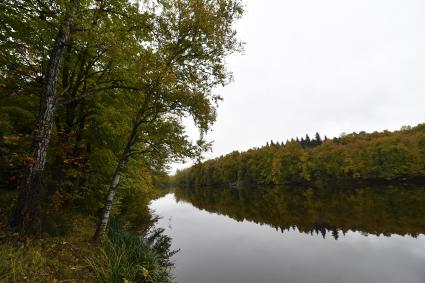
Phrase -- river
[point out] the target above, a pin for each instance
(273, 235)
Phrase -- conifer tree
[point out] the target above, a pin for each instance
(317, 139)
(307, 141)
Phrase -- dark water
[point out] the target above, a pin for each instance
(296, 235)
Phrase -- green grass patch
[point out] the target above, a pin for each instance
(122, 256)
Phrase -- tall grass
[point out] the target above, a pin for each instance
(126, 256)
(18, 264)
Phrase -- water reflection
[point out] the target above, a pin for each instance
(325, 211)
(230, 235)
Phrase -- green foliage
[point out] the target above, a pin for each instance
(125, 256)
(397, 156)
(128, 75)
(147, 63)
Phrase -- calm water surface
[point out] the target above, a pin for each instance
(273, 235)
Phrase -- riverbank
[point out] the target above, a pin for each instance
(76, 258)
(47, 259)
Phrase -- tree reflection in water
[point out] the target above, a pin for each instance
(326, 211)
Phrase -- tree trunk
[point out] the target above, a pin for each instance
(101, 227)
(30, 186)
(103, 223)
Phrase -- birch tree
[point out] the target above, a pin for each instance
(182, 66)
(82, 44)
(31, 181)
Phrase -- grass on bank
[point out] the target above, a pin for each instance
(144, 258)
(121, 257)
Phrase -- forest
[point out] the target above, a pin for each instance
(378, 157)
(93, 94)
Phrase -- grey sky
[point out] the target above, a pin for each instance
(329, 66)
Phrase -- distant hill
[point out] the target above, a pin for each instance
(386, 156)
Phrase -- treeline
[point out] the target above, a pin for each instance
(361, 157)
(327, 211)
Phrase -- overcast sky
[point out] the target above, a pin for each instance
(327, 66)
